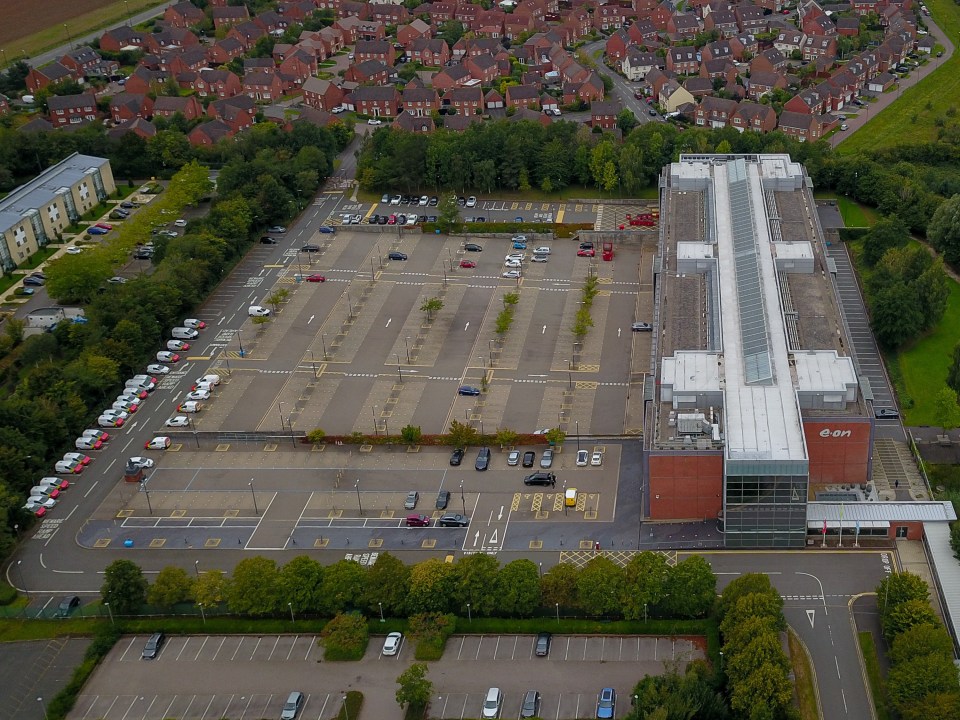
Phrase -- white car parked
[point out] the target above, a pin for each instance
(258, 311)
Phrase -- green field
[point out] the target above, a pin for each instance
(913, 116)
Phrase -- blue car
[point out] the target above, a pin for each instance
(606, 703)
(519, 245)
(94, 230)
(326, 229)
(468, 390)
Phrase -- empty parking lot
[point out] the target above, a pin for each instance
(249, 677)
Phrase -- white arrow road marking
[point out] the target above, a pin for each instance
(618, 332)
(493, 538)
(500, 516)
(810, 615)
(466, 326)
(544, 330)
(476, 538)
(311, 319)
(390, 320)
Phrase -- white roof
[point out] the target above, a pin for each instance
(694, 251)
(823, 370)
(794, 250)
(689, 371)
(931, 511)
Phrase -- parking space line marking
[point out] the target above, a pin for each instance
(577, 714)
(620, 656)
(585, 642)
(182, 649)
(567, 651)
(147, 711)
(202, 645)
(479, 644)
(92, 704)
(237, 650)
(496, 648)
(226, 710)
(132, 641)
(463, 639)
(655, 645)
(167, 713)
(638, 649)
(324, 707)
(207, 709)
(190, 705)
(443, 712)
(559, 700)
(263, 713)
(295, 638)
(313, 642)
(274, 648)
(259, 640)
(463, 710)
(222, 641)
(132, 703)
(516, 639)
(243, 714)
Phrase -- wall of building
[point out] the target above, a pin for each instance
(685, 486)
(839, 450)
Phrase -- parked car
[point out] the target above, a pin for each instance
(531, 703)
(492, 703)
(209, 379)
(473, 247)
(397, 256)
(198, 395)
(277, 229)
(141, 462)
(67, 605)
(87, 443)
(543, 644)
(418, 520)
(606, 704)
(546, 460)
(178, 421)
(468, 390)
(190, 406)
(453, 520)
(641, 327)
(483, 459)
(157, 369)
(153, 646)
(586, 252)
(528, 457)
(411, 501)
(456, 457)
(194, 324)
(292, 706)
(161, 442)
(309, 248)
(443, 499)
(513, 274)
(391, 646)
(165, 356)
(467, 264)
(582, 458)
(513, 458)
(316, 278)
(543, 479)
(258, 311)
(596, 458)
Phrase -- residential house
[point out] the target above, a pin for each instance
(751, 18)
(39, 78)
(422, 124)
(166, 106)
(433, 52)
(636, 63)
(85, 62)
(723, 68)
(723, 21)
(718, 50)
(388, 14)
(683, 26)
(849, 27)
(672, 95)
(714, 112)
(819, 46)
(661, 15)
(604, 115)
(789, 42)
(762, 83)
(754, 116)
(210, 133)
(406, 34)
(419, 101)
(143, 80)
(127, 106)
(123, 37)
(818, 25)
(523, 113)
(609, 17)
(247, 33)
(184, 60)
(745, 43)
(170, 38)
(682, 60)
(298, 65)
(483, 68)
(617, 44)
(523, 96)
(586, 92)
(238, 112)
(137, 126)
(771, 60)
(800, 126)
(380, 50)
(183, 15)
(548, 103)
(228, 16)
(491, 23)
(263, 85)
(66, 110)
(322, 94)
(223, 51)
(370, 71)
(451, 77)
(217, 83)
(494, 100)
(698, 86)
(465, 100)
(807, 102)
(460, 122)
(376, 101)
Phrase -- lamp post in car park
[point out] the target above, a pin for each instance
(280, 413)
(290, 425)
(323, 344)
(462, 499)
(407, 346)
(253, 494)
(356, 486)
(373, 412)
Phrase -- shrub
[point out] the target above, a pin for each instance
(316, 436)
(431, 631)
(64, 700)
(345, 637)
(8, 593)
(351, 708)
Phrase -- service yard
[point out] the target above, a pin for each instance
(248, 678)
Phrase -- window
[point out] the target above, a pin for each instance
(901, 531)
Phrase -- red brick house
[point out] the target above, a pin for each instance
(450, 77)
(755, 117)
(723, 21)
(771, 60)
(587, 92)
(127, 106)
(142, 80)
(247, 33)
(389, 14)
(800, 126)
(609, 17)
(762, 83)
(210, 133)
(789, 41)
(429, 51)
(419, 101)
(683, 26)
(167, 107)
(183, 15)
(465, 100)
(86, 62)
(66, 110)
(263, 86)
(369, 71)
(483, 68)
(299, 65)
(820, 46)
(217, 83)
(751, 18)
(322, 94)
(223, 51)
(417, 29)
(38, 78)
(376, 101)
(523, 96)
(238, 112)
(380, 50)
(422, 124)
(682, 60)
(604, 115)
(714, 112)
(123, 37)
(137, 126)
(224, 17)
(806, 102)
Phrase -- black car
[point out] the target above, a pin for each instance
(483, 459)
(531, 704)
(443, 499)
(328, 230)
(374, 219)
(153, 646)
(431, 219)
(457, 457)
(453, 521)
(34, 281)
(397, 256)
(384, 219)
(67, 605)
(433, 201)
(401, 219)
(543, 644)
(586, 245)
(541, 478)
(310, 247)
(528, 457)
(143, 255)
(127, 204)
(267, 240)
(473, 247)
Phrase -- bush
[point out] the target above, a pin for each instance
(351, 708)
(8, 593)
(431, 631)
(345, 637)
(64, 700)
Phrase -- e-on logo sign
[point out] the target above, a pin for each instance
(827, 432)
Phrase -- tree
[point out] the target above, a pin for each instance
(555, 436)
(431, 587)
(921, 640)
(411, 434)
(895, 315)
(518, 588)
(626, 121)
(76, 278)
(906, 615)
(451, 31)
(211, 588)
(934, 706)
(760, 686)
(173, 585)
(888, 232)
(947, 411)
(431, 306)
(600, 587)
(743, 585)
(387, 583)
(690, 589)
(943, 230)
(506, 437)
(342, 587)
(558, 586)
(300, 584)
(911, 682)
(254, 587)
(345, 637)
(415, 689)
(474, 583)
(755, 605)
(645, 578)
(449, 219)
(124, 587)
(953, 374)
(898, 588)
(462, 435)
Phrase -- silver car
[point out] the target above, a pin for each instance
(546, 460)
(411, 502)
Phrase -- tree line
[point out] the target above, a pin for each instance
(53, 383)
(474, 585)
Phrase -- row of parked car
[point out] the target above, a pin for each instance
(45, 495)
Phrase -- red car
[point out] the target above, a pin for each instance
(467, 264)
(392, 220)
(316, 278)
(586, 252)
(418, 521)
(105, 226)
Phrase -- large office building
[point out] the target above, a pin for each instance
(38, 212)
(757, 402)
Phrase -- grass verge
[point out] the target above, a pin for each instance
(804, 685)
(914, 116)
(63, 702)
(877, 687)
(40, 256)
(351, 708)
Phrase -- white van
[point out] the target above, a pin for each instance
(491, 706)
(184, 333)
(258, 311)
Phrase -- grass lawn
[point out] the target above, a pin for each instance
(803, 679)
(913, 116)
(54, 34)
(874, 677)
(854, 214)
(923, 366)
(38, 257)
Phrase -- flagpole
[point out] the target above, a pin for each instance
(840, 543)
(824, 543)
(856, 538)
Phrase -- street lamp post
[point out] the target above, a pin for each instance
(280, 413)
(373, 411)
(407, 346)
(313, 362)
(462, 500)
(43, 705)
(346, 715)
(196, 568)
(196, 438)
(349, 306)
(469, 614)
(323, 344)
(143, 487)
(380, 605)
(398, 366)
(202, 614)
(290, 425)
(578, 435)
(253, 494)
(240, 342)
(558, 612)
(356, 487)
(292, 618)
(110, 613)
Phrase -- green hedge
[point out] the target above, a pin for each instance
(852, 234)
(8, 593)
(64, 700)
(350, 710)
